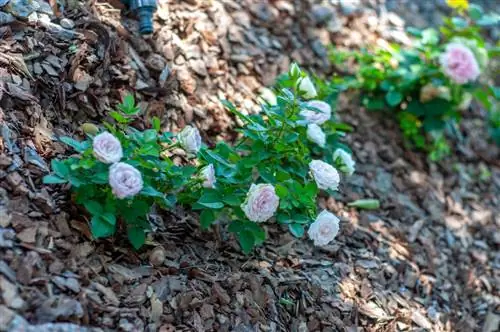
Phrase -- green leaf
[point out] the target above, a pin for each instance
(368, 204)
(109, 218)
(246, 240)
(232, 200)
(374, 104)
(118, 117)
(156, 123)
(281, 191)
(60, 168)
(393, 98)
(136, 236)
(211, 199)
(94, 207)
(459, 22)
(100, 228)
(150, 191)
(207, 218)
(297, 230)
(78, 146)
(150, 135)
(53, 179)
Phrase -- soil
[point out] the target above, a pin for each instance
(427, 260)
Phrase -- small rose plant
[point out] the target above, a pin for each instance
(272, 175)
(429, 85)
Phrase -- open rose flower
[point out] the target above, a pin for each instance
(322, 112)
(261, 202)
(125, 180)
(325, 175)
(459, 63)
(107, 148)
(316, 135)
(208, 175)
(344, 161)
(324, 229)
(190, 139)
(306, 86)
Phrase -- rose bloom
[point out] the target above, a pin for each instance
(320, 115)
(261, 202)
(107, 148)
(459, 63)
(307, 88)
(125, 180)
(190, 139)
(325, 175)
(324, 229)
(208, 175)
(316, 135)
(344, 159)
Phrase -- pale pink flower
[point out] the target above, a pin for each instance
(324, 229)
(190, 139)
(107, 148)
(125, 180)
(208, 175)
(316, 134)
(325, 175)
(459, 63)
(261, 202)
(322, 112)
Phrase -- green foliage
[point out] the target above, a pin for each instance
(409, 83)
(273, 149)
(89, 177)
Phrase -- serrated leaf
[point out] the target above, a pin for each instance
(100, 228)
(246, 240)
(297, 230)
(136, 236)
(393, 98)
(281, 191)
(150, 191)
(118, 117)
(94, 207)
(78, 146)
(53, 179)
(207, 218)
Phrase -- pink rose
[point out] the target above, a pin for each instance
(125, 180)
(208, 175)
(324, 229)
(107, 148)
(320, 115)
(325, 175)
(459, 63)
(261, 202)
(190, 139)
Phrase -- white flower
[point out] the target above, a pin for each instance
(208, 175)
(261, 202)
(325, 175)
(125, 180)
(268, 96)
(190, 139)
(107, 148)
(322, 112)
(344, 161)
(316, 135)
(306, 86)
(324, 229)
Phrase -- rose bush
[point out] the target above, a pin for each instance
(272, 174)
(429, 85)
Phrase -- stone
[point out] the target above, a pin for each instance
(186, 81)
(198, 66)
(67, 23)
(350, 7)
(321, 14)
(155, 62)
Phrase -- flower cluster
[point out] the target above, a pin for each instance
(272, 173)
